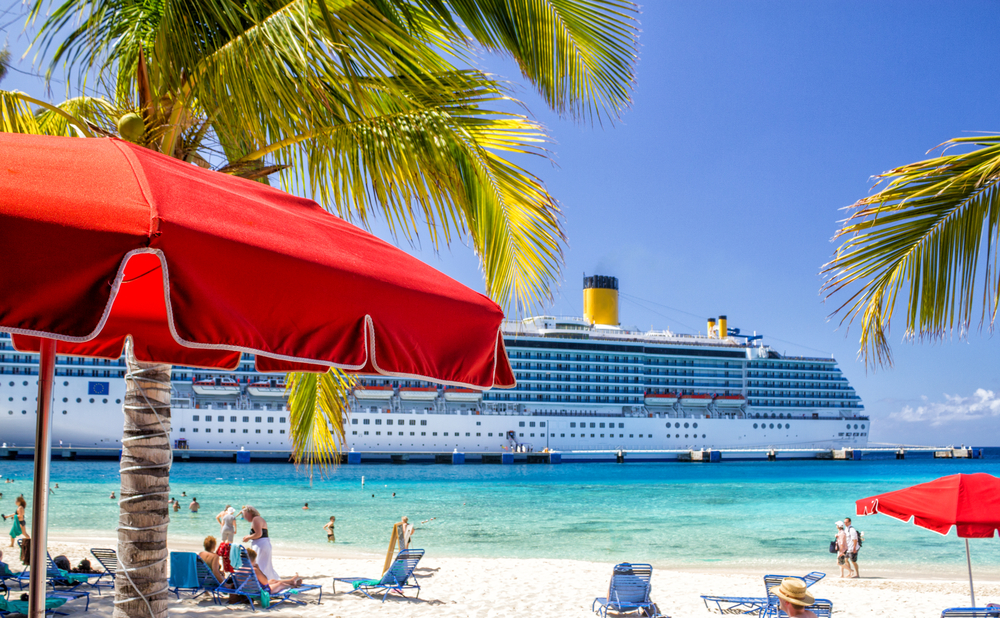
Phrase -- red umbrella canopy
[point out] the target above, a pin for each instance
(103, 239)
(971, 502)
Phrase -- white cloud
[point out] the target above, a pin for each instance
(983, 404)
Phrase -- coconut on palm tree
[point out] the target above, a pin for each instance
(373, 109)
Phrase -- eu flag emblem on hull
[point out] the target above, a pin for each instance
(97, 388)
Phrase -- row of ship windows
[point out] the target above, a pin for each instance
(520, 435)
(232, 419)
(221, 430)
(801, 402)
(489, 396)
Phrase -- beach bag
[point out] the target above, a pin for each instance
(861, 539)
(833, 546)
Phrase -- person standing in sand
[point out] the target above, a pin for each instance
(794, 598)
(842, 549)
(227, 519)
(260, 541)
(852, 547)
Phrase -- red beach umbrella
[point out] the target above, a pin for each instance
(968, 502)
(104, 240)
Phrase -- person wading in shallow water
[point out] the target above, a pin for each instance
(794, 598)
(19, 526)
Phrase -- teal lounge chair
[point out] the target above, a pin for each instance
(399, 577)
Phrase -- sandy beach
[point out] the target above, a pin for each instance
(485, 588)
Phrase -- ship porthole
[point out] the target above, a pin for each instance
(755, 425)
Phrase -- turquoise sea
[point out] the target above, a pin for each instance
(735, 516)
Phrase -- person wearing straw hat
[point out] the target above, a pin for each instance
(794, 598)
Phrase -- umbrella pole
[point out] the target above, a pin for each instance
(968, 560)
(40, 488)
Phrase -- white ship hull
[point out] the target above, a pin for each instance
(96, 421)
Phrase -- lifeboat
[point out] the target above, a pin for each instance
(462, 394)
(267, 388)
(696, 401)
(368, 393)
(216, 386)
(661, 399)
(418, 394)
(730, 401)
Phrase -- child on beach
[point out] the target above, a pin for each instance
(273, 585)
(328, 527)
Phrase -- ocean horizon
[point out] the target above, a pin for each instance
(740, 516)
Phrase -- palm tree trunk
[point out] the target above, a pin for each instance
(141, 585)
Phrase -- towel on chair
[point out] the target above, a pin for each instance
(183, 573)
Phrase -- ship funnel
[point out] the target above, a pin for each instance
(600, 300)
(723, 328)
(711, 327)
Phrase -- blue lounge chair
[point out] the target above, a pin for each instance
(57, 578)
(399, 577)
(244, 582)
(108, 559)
(629, 591)
(53, 600)
(762, 607)
(971, 612)
(206, 582)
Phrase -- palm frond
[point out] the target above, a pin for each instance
(317, 404)
(99, 113)
(579, 54)
(925, 238)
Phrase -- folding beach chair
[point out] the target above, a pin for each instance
(628, 592)
(971, 612)
(763, 607)
(108, 559)
(399, 577)
(243, 581)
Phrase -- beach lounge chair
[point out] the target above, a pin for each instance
(971, 612)
(108, 559)
(243, 581)
(56, 577)
(206, 582)
(763, 607)
(399, 577)
(53, 600)
(628, 592)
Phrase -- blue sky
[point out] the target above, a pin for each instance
(754, 124)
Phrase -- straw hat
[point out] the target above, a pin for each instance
(794, 591)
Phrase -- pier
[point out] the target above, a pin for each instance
(707, 456)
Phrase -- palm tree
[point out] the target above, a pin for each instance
(369, 106)
(925, 238)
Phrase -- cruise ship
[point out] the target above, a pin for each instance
(584, 384)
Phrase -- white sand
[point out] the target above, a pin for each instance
(460, 587)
